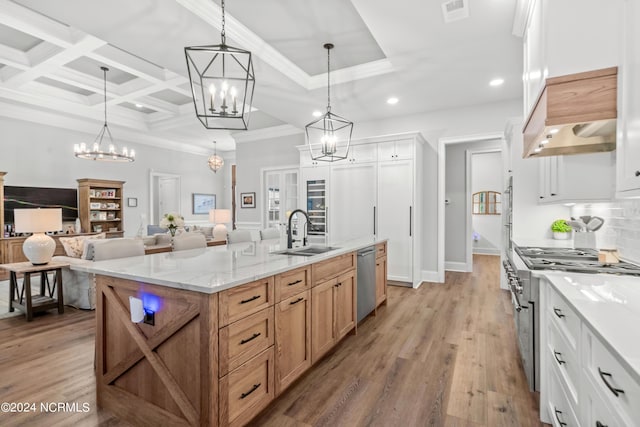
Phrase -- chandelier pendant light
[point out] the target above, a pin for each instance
(215, 162)
(96, 152)
(222, 83)
(329, 137)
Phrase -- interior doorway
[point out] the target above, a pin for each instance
(165, 195)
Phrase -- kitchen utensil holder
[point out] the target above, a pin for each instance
(586, 240)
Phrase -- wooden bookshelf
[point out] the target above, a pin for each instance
(100, 206)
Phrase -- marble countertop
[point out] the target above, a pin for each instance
(213, 269)
(610, 305)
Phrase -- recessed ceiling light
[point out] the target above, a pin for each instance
(139, 105)
(317, 113)
(392, 101)
(554, 131)
(496, 82)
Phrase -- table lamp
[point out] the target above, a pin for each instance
(39, 247)
(220, 217)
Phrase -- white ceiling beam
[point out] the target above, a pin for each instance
(14, 57)
(23, 19)
(80, 125)
(357, 72)
(56, 93)
(54, 61)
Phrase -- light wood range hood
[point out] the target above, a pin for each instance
(574, 114)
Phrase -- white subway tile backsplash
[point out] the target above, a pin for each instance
(621, 228)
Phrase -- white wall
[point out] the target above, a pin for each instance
(251, 158)
(42, 156)
(486, 175)
(456, 211)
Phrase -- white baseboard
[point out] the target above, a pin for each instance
(486, 251)
(456, 266)
(430, 276)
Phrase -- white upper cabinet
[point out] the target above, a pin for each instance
(362, 153)
(396, 150)
(581, 178)
(628, 138)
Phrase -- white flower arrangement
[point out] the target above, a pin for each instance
(172, 221)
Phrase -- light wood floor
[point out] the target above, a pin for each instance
(441, 355)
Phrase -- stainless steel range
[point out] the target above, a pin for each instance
(525, 292)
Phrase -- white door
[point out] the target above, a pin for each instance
(353, 198)
(395, 216)
(168, 197)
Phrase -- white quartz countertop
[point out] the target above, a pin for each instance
(213, 269)
(610, 305)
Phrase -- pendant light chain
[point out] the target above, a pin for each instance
(328, 79)
(104, 71)
(222, 33)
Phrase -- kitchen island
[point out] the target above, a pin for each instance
(232, 328)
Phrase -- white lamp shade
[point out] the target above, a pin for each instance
(37, 220)
(220, 216)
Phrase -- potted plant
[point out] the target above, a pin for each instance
(561, 230)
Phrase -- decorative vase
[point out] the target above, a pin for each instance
(561, 236)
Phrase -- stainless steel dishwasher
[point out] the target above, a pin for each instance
(366, 281)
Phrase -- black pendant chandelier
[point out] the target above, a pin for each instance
(329, 136)
(96, 152)
(222, 83)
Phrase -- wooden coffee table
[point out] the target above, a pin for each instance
(20, 296)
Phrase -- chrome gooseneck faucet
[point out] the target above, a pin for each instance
(289, 231)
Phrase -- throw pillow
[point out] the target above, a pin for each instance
(74, 246)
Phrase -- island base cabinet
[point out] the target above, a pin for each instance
(293, 339)
(161, 374)
(345, 304)
(247, 390)
(322, 321)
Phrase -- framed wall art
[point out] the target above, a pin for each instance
(247, 200)
(203, 203)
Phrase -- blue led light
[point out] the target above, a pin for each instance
(151, 302)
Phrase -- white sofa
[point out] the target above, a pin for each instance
(79, 288)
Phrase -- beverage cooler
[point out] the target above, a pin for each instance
(317, 210)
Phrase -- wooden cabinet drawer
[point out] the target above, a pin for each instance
(242, 340)
(239, 302)
(247, 390)
(566, 360)
(612, 379)
(381, 249)
(292, 282)
(324, 270)
(560, 410)
(564, 317)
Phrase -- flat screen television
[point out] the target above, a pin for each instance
(40, 197)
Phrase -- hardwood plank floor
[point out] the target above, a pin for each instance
(441, 355)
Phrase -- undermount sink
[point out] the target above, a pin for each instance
(306, 251)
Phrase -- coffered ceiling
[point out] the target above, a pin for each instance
(51, 52)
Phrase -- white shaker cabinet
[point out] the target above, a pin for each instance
(576, 179)
(628, 138)
(352, 201)
(395, 150)
(396, 217)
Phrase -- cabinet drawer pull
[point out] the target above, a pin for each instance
(255, 297)
(558, 413)
(615, 391)
(637, 173)
(553, 194)
(294, 283)
(556, 354)
(599, 424)
(296, 301)
(254, 388)
(253, 337)
(558, 312)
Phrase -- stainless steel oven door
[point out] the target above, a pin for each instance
(524, 326)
